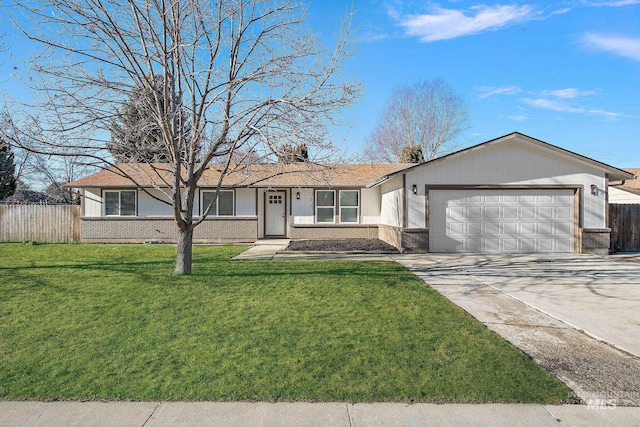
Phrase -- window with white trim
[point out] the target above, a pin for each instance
(120, 203)
(325, 206)
(223, 206)
(349, 206)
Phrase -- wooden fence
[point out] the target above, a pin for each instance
(40, 223)
(624, 221)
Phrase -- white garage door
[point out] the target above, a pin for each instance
(501, 221)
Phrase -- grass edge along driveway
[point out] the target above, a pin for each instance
(110, 322)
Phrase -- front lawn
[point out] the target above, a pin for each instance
(111, 322)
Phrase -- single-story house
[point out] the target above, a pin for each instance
(510, 194)
(627, 192)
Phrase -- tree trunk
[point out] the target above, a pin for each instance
(184, 251)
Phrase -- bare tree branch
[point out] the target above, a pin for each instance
(234, 76)
(428, 115)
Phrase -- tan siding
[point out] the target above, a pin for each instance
(515, 162)
(338, 232)
(92, 202)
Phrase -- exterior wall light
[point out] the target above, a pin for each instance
(414, 189)
(298, 195)
(594, 189)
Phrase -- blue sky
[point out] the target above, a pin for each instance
(567, 73)
(564, 72)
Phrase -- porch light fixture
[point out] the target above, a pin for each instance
(594, 189)
(298, 195)
(414, 189)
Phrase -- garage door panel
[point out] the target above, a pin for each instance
(474, 245)
(509, 212)
(528, 228)
(492, 228)
(510, 245)
(545, 245)
(545, 199)
(546, 228)
(491, 212)
(562, 228)
(527, 220)
(564, 212)
(457, 212)
(474, 212)
(546, 212)
(510, 228)
(566, 200)
(456, 229)
(564, 245)
(527, 212)
(527, 199)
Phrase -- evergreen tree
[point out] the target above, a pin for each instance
(412, 154)
(7, 171)
(293, 153)
(136, 135)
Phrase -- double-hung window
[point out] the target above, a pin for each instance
(223, 206)
(120, 203)
(349, 206)
(325, 206)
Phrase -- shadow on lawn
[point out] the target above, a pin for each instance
(207, 267)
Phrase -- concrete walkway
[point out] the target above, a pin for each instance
(156, 414)
(273, 249)
(264, 249)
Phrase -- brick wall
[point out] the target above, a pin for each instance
(392, 235)
(164, 229)
(415, 240)
(406, 239)
(315, 232)
(596, 240)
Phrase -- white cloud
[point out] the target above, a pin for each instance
(518, 117)
(552, 104)
(371, 36)
(622, 46)
(617, 3)
(505, 90)
(562, 107)
(445, 24)
(487, 91)
(568, 93)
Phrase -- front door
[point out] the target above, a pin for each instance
(275, 213)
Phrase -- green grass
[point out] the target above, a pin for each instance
(111, 322)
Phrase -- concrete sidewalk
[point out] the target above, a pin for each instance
(273, 249)
(155, 414)
(264, 249)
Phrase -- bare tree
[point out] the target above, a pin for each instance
(427, 115)
(235, 76)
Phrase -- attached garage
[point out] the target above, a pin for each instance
(513, 194)
(501, 220)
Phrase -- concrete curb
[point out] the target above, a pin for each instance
(157, 414)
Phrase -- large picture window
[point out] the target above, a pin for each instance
(221, 207)
(120, 203)
(349, 206)
(325, 206)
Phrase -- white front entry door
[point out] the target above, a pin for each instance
(527, 220)
(275, 213)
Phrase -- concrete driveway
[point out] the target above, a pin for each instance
(598, 295)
